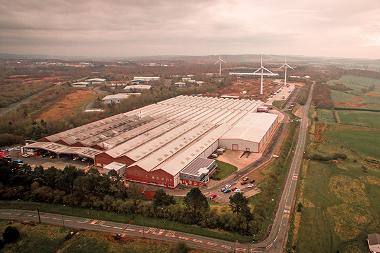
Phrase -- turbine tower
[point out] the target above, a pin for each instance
(220, 60)
(286, 66)
(262, 71)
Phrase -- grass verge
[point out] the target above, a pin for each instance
(223, 170)
(123, 218)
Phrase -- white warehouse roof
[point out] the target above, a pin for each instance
(252, 127)
(116, 96)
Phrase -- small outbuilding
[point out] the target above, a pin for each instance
(118, 167)
(115, 99)
(374, 243)
(198, 172)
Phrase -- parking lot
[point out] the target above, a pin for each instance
(281, 94)
(48, 160)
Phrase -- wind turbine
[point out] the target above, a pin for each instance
(286, 66)
(220, 60)
(262, 71)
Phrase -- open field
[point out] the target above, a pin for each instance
(326, 116)
(46, 238)
(223, 170)
(360, 118)
(68, 105)
(340, 197)
(363, 92)
(339, 200)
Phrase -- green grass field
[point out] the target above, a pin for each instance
(223, 170)
(360, 118)
(359, 96)
(46, 239)
(325, 116)
(341, 198)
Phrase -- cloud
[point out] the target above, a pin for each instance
(149, 27)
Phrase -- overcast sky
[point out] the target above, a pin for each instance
(343, 28)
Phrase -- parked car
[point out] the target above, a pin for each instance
(243, 182)
(19, 161)
(213, 196)
(214, 155)
(84, 159)
(250, 185)
(45, 154)
(233, 189)
(252, 181)
(245, 179)
(25, 155)
(237, 190)
(227, 186)
(52, 156)
(228, 190)
(75, 158)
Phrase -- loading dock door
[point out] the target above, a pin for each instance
(235, 147)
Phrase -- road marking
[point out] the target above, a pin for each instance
(68, 220)
(117, 227)
(225, 246)
(183, 238)
(212, 243)
(85, 221)
(198, 241)
(170, 234)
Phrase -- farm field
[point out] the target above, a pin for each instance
(44, 238)
(68, 106)
(363, 92)
(360, 118)
(339, 199)
(325, 115)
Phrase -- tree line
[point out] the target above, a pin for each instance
(76, 188)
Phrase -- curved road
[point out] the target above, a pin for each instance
(275, 242)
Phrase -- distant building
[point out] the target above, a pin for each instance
(115, 99)
(374, 243)
(180, 84)
(186, 79)
(200, 83)
(262, 109)
(146, 78)
(118, 167)
(93, 81)
(80, 84)
(136, 88)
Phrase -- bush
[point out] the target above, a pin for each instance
(11, 234)
(180, 247)
(325, 158)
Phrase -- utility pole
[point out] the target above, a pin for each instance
(38, 214)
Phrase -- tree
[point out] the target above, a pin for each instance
(11, 234)
(196, 203)
(238, 203)
(180, 247)
(162, 199)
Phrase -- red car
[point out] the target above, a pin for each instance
(213, 196)
(233, 188)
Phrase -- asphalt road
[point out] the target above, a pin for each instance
(275, 242)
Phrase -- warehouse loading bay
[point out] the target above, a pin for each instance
(171, 144)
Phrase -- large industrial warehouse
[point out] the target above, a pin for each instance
(169, 142)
